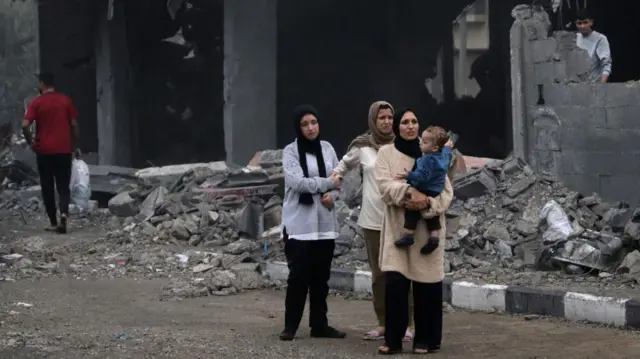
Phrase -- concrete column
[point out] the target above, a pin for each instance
(250, 49)
(518, 101)
(463, 31)
(112, 86)
(448, 78)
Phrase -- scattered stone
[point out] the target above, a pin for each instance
(202, 268)
(497, 232)
(631, 264)
(521, 186)
(241, 246)
(123, 205)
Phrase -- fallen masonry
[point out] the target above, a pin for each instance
(209, 226)
(511, 225)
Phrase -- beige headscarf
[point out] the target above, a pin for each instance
(373, 138)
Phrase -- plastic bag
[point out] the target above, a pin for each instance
(559, 227)
(80, 185)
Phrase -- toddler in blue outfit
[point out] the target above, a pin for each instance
(428, 177)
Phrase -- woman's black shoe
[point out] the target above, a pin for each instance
(328, 332)
(287, 335)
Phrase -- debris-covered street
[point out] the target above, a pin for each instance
(208, 226)
(123, 318)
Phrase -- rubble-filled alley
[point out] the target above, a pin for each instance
(209, 226)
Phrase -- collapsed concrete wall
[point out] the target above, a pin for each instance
(586, 134)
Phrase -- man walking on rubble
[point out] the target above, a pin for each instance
(596, 45)
(56, 119)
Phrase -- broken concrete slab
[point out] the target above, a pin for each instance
(522, 185)
(174, 171)
(123, 205)
(474, 184)
(110, 179)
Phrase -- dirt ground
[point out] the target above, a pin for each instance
(121, 318)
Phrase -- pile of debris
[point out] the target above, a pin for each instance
(208, 226)
(510, 224)
(508, 219)
(213, 217)
(17, 161)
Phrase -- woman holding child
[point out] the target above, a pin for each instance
(362, 152)
(413, 256)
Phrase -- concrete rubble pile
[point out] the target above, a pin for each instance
(17, 161)
(508, 218)
(197, 224)
(508, 224)
(209, 226)
(214, 217)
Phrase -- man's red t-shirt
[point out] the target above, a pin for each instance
(52, 113)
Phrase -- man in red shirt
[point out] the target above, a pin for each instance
(56, 121)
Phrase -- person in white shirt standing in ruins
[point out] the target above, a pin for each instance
(596, 45)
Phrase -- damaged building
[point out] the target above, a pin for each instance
(186, 81)
(165, 82)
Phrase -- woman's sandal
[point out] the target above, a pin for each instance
(424, 351)
(386, 350)
(373, 335)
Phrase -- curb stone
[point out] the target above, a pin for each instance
(573, 306)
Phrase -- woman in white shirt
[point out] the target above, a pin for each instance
(362, 152)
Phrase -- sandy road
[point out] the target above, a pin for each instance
(124, 319)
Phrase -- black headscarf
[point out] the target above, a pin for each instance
(410, 148)
(307, 146)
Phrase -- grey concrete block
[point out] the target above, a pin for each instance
(600, 139)
(544, 73)
(584, 182)
(566, 41)
(531, 94)
(620, 94)
(474, 184)
(581, 117)
(559, 71)
(613, 188)
(605, 162)
(578, 64)
(543, 50)
(623, 117)
(579, 95)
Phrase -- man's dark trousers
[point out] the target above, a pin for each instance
(55, 173)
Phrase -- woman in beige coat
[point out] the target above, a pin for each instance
(362, 152)
(407, 267)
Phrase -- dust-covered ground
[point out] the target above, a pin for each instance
(124, 318)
